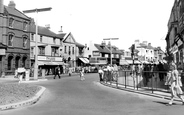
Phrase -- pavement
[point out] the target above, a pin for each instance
(145, 91)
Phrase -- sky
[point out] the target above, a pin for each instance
(94, 20)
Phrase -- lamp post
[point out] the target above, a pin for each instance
(110, 47)
(36, 37)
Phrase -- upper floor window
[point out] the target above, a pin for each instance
(24, 42)
(41, 39)
(69, 51)
(11, 20)
(32, 37)
(32, 52)
(146, 51)
(55, 51)
(25, 26)
(65, 49)
(10, 39)
(41, 50)
(73, 50)
(61, 42)
(54, 40)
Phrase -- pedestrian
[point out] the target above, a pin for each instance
(57, 72)
(175, 85)
(101, 73)
(82, 74)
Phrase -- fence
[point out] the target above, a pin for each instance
(147, 80)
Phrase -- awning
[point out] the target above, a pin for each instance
(84, 60)
(135, 61)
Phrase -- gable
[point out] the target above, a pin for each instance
(69, 39)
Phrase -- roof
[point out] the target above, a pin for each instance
(15, 12)
(43, 31)
(62, 35)
(101, 48)
(79, 45)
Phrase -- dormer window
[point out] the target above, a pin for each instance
(11, 20)
(25, 26)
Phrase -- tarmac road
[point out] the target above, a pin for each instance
(70, 96)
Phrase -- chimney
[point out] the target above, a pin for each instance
(1, 6)
(12, 4)
(61, 31)
(103, 43)
(47, 26)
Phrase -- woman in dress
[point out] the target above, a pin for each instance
(175, 84)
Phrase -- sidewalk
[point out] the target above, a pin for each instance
(145, 91)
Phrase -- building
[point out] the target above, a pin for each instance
(99, 54)
(49, 48)
(175, 35)
(14, 39)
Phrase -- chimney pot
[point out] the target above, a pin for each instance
(11, 4)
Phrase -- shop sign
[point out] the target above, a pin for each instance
(96, 53)
(2, 52)
(42, 58)
(58, 59)
(175, 49)
(51, 58)
(179, 42)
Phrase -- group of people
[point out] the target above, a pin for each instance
(108, 73)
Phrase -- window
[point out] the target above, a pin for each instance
(11, 20)
(69, 52)
(25, 26)
(55, 51)
(17, 62)
(10, 39)
(32, 52)
(24, 61)
(10, 59)
(24, 42)
(65, 49)
(146, 51)
(41, 39)
(32, 37)
(41, 50)
(73, 50)
(54, 40)
(61, 42)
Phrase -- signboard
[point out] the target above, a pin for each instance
(2, 52)
(96, 53)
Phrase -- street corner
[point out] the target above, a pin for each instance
(28, 102)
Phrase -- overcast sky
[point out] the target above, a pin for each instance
(93, 20)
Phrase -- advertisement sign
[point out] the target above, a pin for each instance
(2, 52)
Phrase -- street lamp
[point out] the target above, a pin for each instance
(36, 37)
(110, 47)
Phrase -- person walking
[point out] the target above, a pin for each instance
(101, 73)
(82, 74)
(175, 85)
(57, 72)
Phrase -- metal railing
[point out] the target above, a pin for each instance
(146, 80)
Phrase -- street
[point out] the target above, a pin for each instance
(70, 96)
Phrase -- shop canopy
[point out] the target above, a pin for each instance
(84, 60)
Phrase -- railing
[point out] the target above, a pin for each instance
(147, 80)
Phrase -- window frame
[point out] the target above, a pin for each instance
(10, 34)
(25, 39)
(25, 24)
(41, 50)
(11, 22)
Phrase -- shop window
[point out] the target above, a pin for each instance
(24, 61)
(17, 59)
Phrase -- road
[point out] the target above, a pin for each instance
(70, 96)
